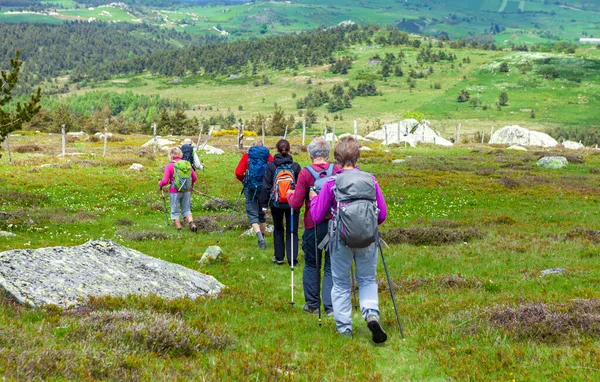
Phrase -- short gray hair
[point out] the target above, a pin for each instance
(319, 148)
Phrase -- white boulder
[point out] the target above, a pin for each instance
(409, 131)
(159, 142)
(572, 145)
(517, 135)
(136, 167)
(517, 147)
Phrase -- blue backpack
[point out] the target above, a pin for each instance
(320, 176)
(258, 157)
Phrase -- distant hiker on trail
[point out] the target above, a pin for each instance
(281, 176)
(353, 236)
(318, 150)
(190, 155)
(250, 171)
(181, 177)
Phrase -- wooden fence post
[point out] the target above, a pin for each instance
(105, 136)
(64, 140)
(154, 132)
(8, 149)
(200, 134)
(333, 137)
(263, 133)
(303, 132)
(240, 136)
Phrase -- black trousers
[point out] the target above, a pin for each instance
(281, 243)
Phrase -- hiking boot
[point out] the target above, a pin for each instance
(374, 326)
(193, 227)
(262, 244)
(347, 333)
(276, 261)
(330, 314)
(310, 310)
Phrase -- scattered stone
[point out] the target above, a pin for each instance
(552, 162)
(397, 161)
(67, 276)
(552, 271)
(517, 135)
(212, 150)
(250, 232)
(365, 148)
(212, 253)
(358, 137)
(6, 234)
(160, 142)
(77, 133)
(136, 167)
(517, 147)
(570, 145)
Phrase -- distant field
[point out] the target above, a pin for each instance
(561, 101)
(459, 19)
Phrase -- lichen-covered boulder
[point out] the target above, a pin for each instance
(67, 276)
(552, 162)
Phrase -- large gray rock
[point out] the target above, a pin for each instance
(67, 276)
(517, 135)
(552, 162)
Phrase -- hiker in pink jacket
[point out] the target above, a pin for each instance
(180, 201)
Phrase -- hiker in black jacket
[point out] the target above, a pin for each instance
(281, 176)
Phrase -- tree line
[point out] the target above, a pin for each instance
(52, 50)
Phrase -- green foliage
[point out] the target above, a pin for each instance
(13, 120)
(463, 96)
(503, 99)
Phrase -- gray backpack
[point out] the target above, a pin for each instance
(357, 212)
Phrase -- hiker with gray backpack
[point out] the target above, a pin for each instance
(357, 205)
(314, 176)
(181, 177)
(250, 171)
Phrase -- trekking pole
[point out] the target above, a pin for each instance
(292, 250)
(212, 198)
(387, 275)
(354, 287)
(230, 216)
(318, 265)
(165, 206)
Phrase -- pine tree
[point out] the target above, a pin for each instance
(13, 120)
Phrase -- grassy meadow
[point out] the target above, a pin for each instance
(567, 100)
(470, 229)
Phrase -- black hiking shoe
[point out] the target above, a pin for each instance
(310, 310)
(193, 227)
(276, 261)
(374, 326)
(262, 244)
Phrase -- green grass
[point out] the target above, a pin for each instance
(555, 101)
(446, 294)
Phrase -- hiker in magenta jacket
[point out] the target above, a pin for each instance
(346, 154)
(179, 201)
(318, 150)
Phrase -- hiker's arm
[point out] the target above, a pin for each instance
(240, 170)
(296, 197)
(167, 176)
(321, 204)
(267, 184)
(380, 204)
(194, 176)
